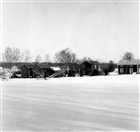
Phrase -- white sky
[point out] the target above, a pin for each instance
(99, 30)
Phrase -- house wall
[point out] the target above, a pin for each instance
(134, 68)
(138, 71)
(86, 68)
(127, 69)
(89, 68)
(122, 69)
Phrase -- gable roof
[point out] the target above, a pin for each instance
(129, 62)
(28, 65)
(43, 66)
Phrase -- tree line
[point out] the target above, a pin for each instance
(15, 55)
(66, 55)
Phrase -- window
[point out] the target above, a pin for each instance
(121, 70)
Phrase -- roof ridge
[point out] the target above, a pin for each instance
(129, 62)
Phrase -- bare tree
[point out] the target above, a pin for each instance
(16, 55)
(7, 55)
(65, 56)
(128, 56)
(12, 55)
(38, 58)
(47, 58)
(27, 56)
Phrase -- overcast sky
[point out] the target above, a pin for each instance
(99, 30)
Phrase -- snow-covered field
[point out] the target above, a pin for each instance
(101, 103)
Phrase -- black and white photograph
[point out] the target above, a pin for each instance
(69, 65)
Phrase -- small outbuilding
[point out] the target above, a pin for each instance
(128, 66)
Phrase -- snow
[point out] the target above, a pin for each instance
(115, 72)
(96, 103)
(1, 68)
(56, 68)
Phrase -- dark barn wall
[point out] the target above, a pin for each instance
(48, 72)
(24, 72)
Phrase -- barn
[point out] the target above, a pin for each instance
(128, 66)
(32, 71)
(27, 71)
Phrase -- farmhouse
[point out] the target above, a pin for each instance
(128, 66)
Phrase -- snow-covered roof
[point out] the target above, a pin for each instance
(56, 68)
(28, 65)
(129, 62)
(43, 66)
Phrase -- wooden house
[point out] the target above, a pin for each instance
(128, 66)
(88, 68)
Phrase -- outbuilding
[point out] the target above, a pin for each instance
(34, 70)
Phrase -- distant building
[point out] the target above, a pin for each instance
(128, 66)
(32, 71)
(89, 68)
(26, 71)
